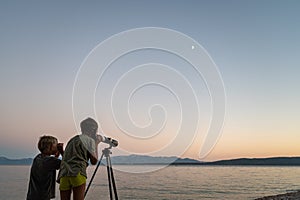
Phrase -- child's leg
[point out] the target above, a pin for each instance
(65, 188)
(65, 194)
(78, 192)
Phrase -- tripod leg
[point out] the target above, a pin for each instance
(88, 187)
(109, 177)
(113, 180)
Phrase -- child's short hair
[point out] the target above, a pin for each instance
(45, 142)
(88, 125)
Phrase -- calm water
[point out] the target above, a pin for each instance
(174, 182)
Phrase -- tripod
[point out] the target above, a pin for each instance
(110, 175)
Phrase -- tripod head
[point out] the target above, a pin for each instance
(106, 151)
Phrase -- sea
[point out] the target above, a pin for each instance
(172, 182)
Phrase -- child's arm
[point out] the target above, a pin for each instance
(94, 155)
(60, 150)
(51, 163)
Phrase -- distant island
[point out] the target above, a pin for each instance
(7, 161)
(273, 161)
(150, 160)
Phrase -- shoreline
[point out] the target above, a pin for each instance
(287, 196)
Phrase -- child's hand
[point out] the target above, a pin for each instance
(56, 154)
(98, 139)
(60, 148)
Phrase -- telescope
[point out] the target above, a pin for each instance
(108, 140)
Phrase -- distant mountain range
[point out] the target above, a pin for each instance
(150, 160)
(23, 161)
(280, 161)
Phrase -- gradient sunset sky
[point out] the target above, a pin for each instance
(255, 44)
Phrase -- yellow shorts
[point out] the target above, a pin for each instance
(68, 182)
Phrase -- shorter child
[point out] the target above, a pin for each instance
(43, 169)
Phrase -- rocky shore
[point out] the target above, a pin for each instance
(287, 196)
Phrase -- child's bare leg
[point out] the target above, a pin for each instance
(65, 195)
(78, 192)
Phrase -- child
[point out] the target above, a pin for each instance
(79, 150)
(43, 169)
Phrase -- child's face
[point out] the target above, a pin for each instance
(53, 148)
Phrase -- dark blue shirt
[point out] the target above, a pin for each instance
(42, 178)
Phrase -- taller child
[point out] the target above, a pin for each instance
(79, 150)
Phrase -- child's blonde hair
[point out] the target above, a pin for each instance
(46, 142)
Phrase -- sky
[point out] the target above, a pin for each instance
(254, 45)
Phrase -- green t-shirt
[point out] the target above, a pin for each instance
(76, 156)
